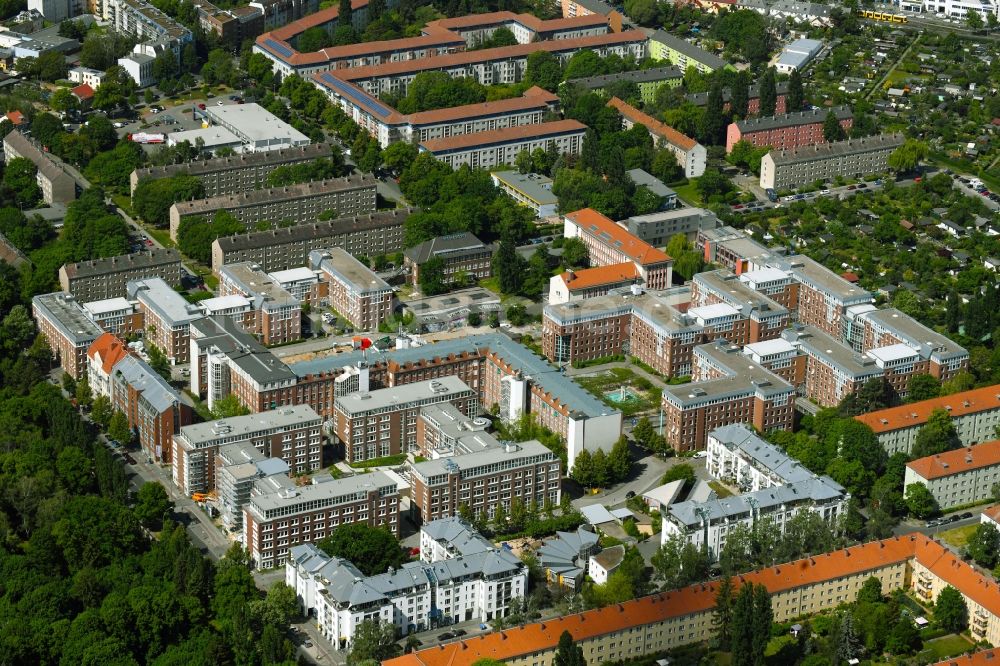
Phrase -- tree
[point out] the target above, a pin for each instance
(739, 96)
(848, 643)
(763, 617)
(907, 157)
(431, 277)
(158, 361)
(768, 92)
(681, 472)
(568, 653)
(373, 642)
(974, 20)
(399, 155)
(679, 563)
(922, 387)
(832, 129)
(509, 267)
(152, 504)
(937, 435)
(643, 12)
(346, 14)
(722, 618)
(903, 638)
(795, 99)
(84, 396)
(101, 412)
(950, 611)
(742, 626)
(871, 591)
(372, 549)
(575, 253)
(119, 428)
(17, 330)
(543, 70)
(984, 545)
(920, 501)
(19, 178)
(227, 407)
(712, 183)
(619, 460)
(713, 123)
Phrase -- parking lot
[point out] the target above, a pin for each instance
(166, 117)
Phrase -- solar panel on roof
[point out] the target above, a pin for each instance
(280, 49)
(356, 95)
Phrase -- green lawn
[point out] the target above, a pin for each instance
(688, 192)
(720, 489)
(959, 536)
(946, 646)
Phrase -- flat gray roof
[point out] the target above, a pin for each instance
(241, 348)
(254, 122)
(727, 286)
(237, 428)
(921, 338)
(343, 265)
(822, 279)
(158, 296)
(742, 376)
(321, 494)
(257, 285)
(688, 49)
(818, 344)
(534, 186)
(431, 390)
(470, 462)
(68, 316)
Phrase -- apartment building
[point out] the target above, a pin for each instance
(835, 371)
(443, 430)
(775, 488)
(102, 355)
(303, 284)
(571, 285)
(690, 154)
(608, 244)
(787, 131)
(280, 515)
(232, 25)
(237, 468)
(577, 8)
(791, 168)
(725, 389)
(485, 480)
(822, 298)
(303, 202)
(464, 256)
(733, 249)
(277, 317)
(289, 247)
(651, 625)
(100, 279)
(144, 21)
(532, 190)
(683, 54)
(154, 409)
(167, 317)
(419, 596)
(283, 12)
(975, 415)
(887, 327)
(55, 182)
(67, 329)
(117, 315)
(448, 538)
(753, 98)
(484, 150)
(647, 80)
(383, 422)
(354, 291)
(292, 433)
(226, 360)
(235, 173)
(658, 228)
(959, 477)
(780, 357)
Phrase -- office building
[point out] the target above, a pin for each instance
(652, 625)
(658, 228)
(167, 317)
(482, 481)
(277, 315)
(238, 467)
(383, 422)
(417, 597)
(647, 80)
(683, 54)
(67, 329)
(974, 414)
(443, 430)
(820, 297)
(787, 131)
(293, 434)
(258, 129)
(853, 158)
(960, 477)
(154, 409)
(302, 283)
(234, 173)
(289, 247)
(55, 182)
(733, 249)
(797, 55)
(571, 285)
(766, 317)
(937, 354)
(295, 204)
(354, 291)
(532, 190)
(690, 154)
(497, 147)
(280, 515)
(610, 244)
(101, 279)
(465, 257)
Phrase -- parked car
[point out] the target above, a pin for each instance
(446, 636)
(630, 494)
(460, 632)
(966, 515)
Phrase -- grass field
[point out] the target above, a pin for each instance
(959, 536)
(946, 646)
(720, 489)
(688, 192)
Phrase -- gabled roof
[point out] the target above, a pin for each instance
(617, 238)
(958, 461)
(662, 130)
(602, 275)
(83, 91)
(110, 348)
(990, 657)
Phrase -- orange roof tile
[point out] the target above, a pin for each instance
(534, 97)
(111, 349)
(668, 133)
(602, 275)
(83, 91)
(540, 636)
(502, 135)
(15, 117)
(614, 236)
(989, 657)
(958, 461)
(993, 513)
(942, 563)
(917, 413)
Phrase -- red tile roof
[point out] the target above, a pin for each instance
(668, 133)
(602, 275)
(958, 461)
(540, 636)
(111, 349)
(960, 575)
(503, 135)
(15, 117)
(83, 91)
(614, 236)
(993, 513)
(917, 413)
(850, 277)
(989, 657)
